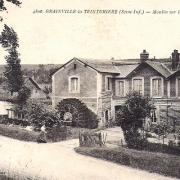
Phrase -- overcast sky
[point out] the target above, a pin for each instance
(56, 38)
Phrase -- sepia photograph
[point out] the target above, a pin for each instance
(89, 90)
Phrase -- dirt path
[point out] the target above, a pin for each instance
(59, 161)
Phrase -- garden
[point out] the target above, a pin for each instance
(138, 151)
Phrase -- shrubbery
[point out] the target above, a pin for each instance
(38, 115)
(165, 164)
(131, 116)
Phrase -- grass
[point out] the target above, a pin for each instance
(7, 175)
(16, 132)
(165, 164)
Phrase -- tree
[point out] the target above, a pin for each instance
(131, 116)
(23, 95)
(13, 73)
(3, 7)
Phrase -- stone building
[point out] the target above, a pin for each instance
(103, 84)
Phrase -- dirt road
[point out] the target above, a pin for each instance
(59, 161)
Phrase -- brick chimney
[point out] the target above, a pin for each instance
(175, 59)
(144, 56)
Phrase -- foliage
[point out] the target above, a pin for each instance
(131, 116)
(23, 95)
(17, 133)
(13, 73)
(3, 7)
(82, 116)
(42, 74)
(38, 115)
(165, 164)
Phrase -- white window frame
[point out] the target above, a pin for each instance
(135, 78)
(117, 83)
(106, 83)
(78, 90)
(162, 86)
(177, 78)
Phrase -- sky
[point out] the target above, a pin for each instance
(57, 38)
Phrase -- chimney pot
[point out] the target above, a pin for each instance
(144, 56)
(175, 59)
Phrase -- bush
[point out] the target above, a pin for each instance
(167, 165)
(58, 133)
(37, 115)
(131, 116)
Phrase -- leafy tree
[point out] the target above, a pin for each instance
(13, 73)
(23, 95)
(38, 114)
(131, 116)
(2, 4)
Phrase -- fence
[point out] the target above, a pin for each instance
(89, 139)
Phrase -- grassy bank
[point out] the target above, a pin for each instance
(165, 164)
(55, 135)
(16, 132)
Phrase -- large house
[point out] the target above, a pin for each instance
(103, 85)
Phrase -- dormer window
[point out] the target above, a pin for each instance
(74, 84)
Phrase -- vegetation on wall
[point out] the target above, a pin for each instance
(79, 113)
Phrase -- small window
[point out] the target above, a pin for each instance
(108, 83)
(120, 89)
(153, 116)
(75, 66)
(137, 85)
(74, 85)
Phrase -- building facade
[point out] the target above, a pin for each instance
(103, 85)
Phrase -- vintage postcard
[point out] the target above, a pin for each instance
(89, 90)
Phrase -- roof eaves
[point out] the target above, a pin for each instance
(164, 75)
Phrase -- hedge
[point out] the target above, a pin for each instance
(165, 164)
(17, 133)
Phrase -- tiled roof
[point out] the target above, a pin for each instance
(104, 66)
(160, 67)
(125, 70)
(124, 67)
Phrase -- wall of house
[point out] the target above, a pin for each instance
(88, 84)
(146, 72)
